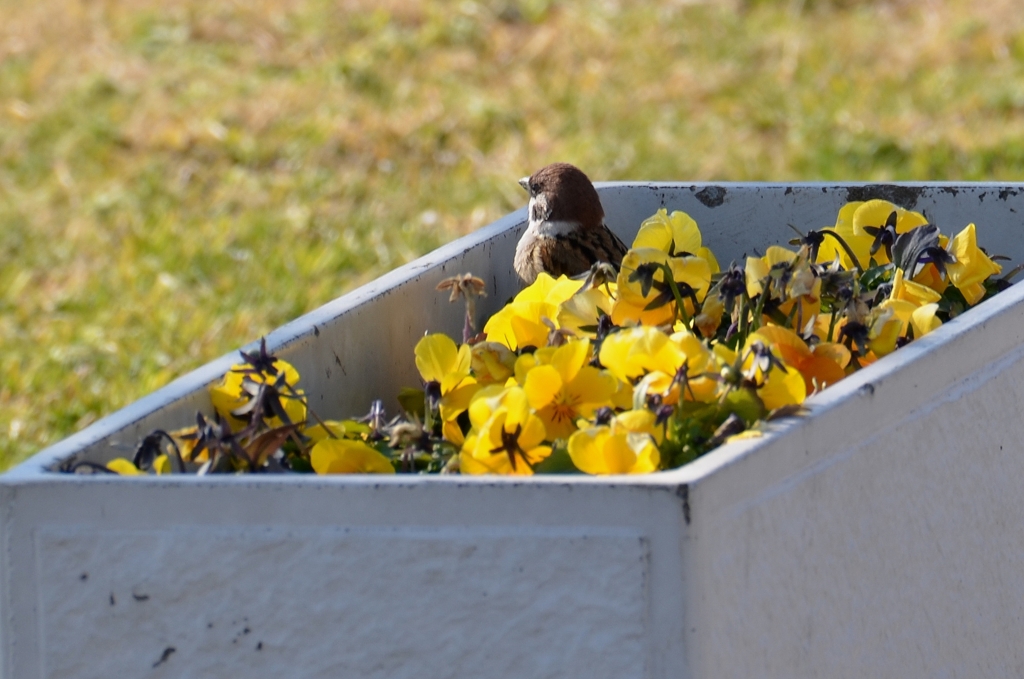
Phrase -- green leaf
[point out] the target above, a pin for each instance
(558, 462)
(876, 275)
(746, 404)
(413, 402)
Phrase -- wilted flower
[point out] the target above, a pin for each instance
(271, 388)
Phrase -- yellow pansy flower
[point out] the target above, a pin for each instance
(778, 383)
(830, 248)
(345, 456)
(124, 467)
(874, 214)
(336, 429)
(443, 364)
(492, 362)
(910, 291)
(564, 388)
(625, 446)
(644, 294)
(972, 266)
(635, 352)
(582, 312)
(521, 322)
(675, 234)
(923, 319)
(886, 324)
(507, 437)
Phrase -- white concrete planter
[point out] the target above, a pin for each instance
(883, 535)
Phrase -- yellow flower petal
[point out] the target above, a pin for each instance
(570, 357)
(345, 456)
(674, 234)
(597, 450)
(162, 464)
(972, 266)
(124, 467)
(436, 357)
(541, 385)
(782, 388)
(923, 319)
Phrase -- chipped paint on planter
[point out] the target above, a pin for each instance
(880, 536)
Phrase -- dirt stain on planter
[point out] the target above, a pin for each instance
(166, 654)
(711, 196)
(683, 493)
(904, 196)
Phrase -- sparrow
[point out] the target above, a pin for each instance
(566, 232)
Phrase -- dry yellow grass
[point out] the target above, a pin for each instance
(178, 178)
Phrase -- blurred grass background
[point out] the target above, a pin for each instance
(179, 177)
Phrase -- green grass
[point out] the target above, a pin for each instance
(177, 179)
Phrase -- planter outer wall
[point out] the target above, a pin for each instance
(880, 536)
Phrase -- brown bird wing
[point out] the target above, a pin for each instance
(561, 255)
(601, 245)
(575, 252)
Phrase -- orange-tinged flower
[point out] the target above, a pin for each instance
(972, 266)
(566, 388)
(345, 456)
(818, 368)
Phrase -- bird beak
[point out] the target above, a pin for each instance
(525, 183)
